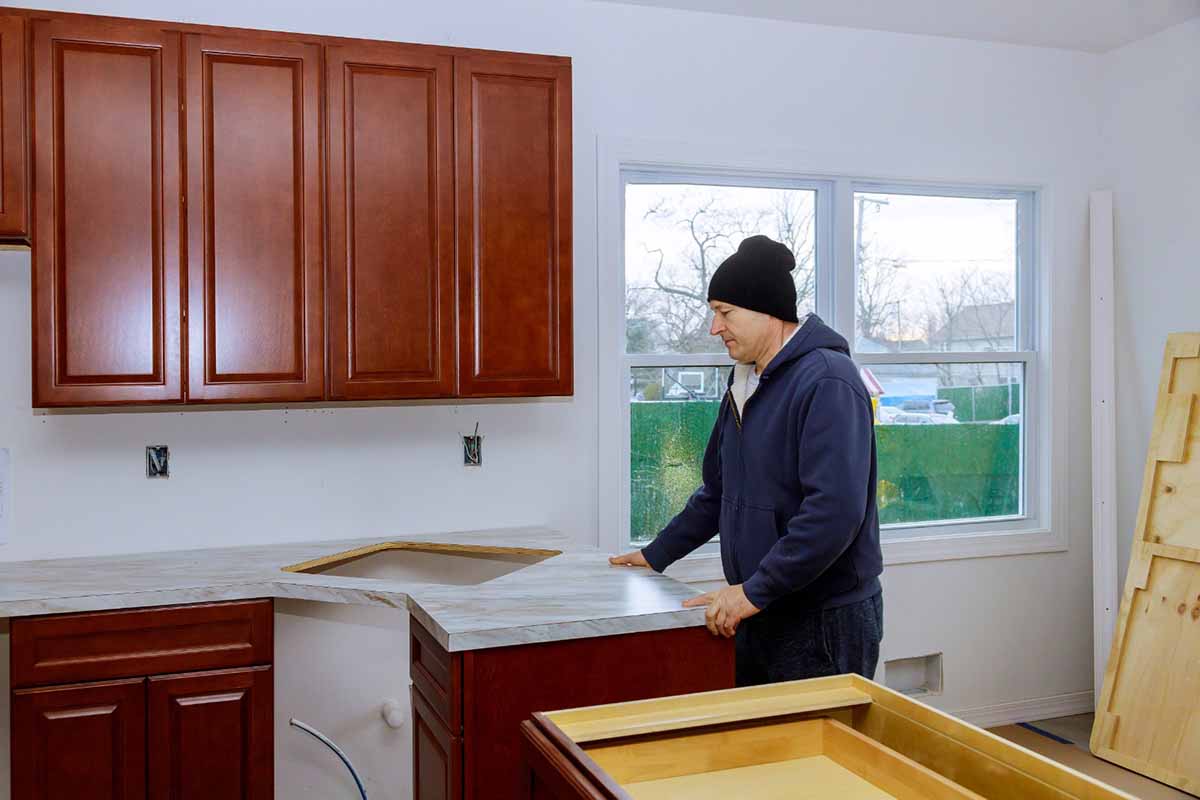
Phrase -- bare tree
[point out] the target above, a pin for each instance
(674, 304)
(879, 286)
(972, 310)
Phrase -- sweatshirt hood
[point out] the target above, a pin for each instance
(812, 334)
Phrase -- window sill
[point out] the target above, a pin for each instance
(706, 567)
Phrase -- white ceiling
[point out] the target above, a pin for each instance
(1090, 25)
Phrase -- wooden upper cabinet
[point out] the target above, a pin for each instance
(14, 138)
(514, 225)
(391, 224)
(80, 741)
(106, 259)
(255, 232)
(212, 735)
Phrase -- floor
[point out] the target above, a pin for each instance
(1069, 746)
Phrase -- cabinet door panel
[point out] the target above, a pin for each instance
(211, 735)
(86, 741)
(106, 261)
(437, 755)
(14, 138)
(255, 239)
(391, 200)
(514, 189)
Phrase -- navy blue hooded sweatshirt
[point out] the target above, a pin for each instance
(790, 483)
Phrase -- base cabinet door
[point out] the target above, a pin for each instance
(211, 735)
(437, 755)
(85, 742)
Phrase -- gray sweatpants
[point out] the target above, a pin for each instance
(785, 644)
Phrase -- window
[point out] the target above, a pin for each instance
(942, 337)
(933, 287)
(677, 231)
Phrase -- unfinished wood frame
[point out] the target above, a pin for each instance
(1148, 717)
(899, 744)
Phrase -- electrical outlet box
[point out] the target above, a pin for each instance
(158, 461)
(472, 450)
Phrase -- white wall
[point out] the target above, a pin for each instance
(335, 666)
(1012, 629)
(1151, 127)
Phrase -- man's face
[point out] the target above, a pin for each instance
(743, 331)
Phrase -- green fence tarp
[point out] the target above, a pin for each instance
(926, 472)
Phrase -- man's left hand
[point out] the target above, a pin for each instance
(726, 609)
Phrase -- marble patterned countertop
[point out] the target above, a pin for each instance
(573, 595)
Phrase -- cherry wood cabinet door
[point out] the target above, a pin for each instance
(14, 137)
(513, 162)
(86, 741)
(390, 114)
(106, 257)
(211, 735)
(437, 755)
(255, 231)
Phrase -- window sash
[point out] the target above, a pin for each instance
(836, 279)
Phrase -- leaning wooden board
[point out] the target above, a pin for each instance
(840, 738)
(1148, 717)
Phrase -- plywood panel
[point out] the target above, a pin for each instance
(814, 778)
(1148, 717)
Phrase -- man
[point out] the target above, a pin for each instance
(789, 482)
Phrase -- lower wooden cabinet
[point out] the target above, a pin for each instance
(437, 755)
(197, 735)
(468, 706)
(211, 735)
(86, 741)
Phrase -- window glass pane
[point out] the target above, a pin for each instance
(949, 440)
(671, 414)
(934, 273)
(676, 235)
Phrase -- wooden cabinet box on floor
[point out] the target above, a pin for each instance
(468, 706)
(445, 174)
(167, 702)
(839, 737)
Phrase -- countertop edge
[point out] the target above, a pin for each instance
(564, 631)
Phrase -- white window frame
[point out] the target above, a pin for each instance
(1041, 528)
(823, 253)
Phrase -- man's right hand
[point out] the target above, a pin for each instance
(634, 559)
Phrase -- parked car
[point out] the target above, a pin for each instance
(910, 418)
(1011, 419)
(935, 405)
(886, 414)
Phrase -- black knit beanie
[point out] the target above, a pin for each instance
(759, 277)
